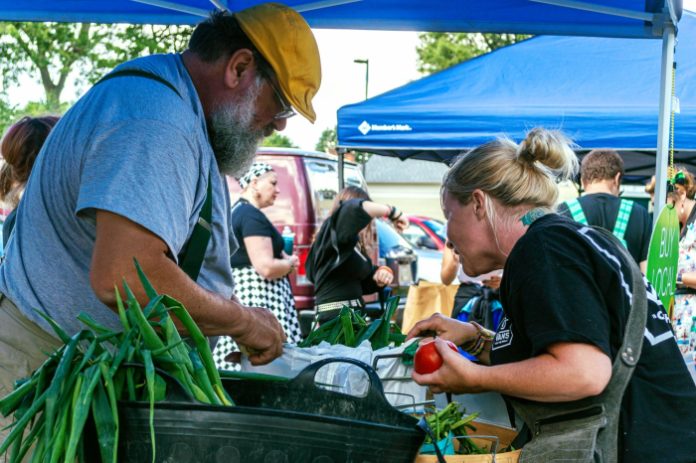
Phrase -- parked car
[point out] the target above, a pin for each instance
(425, 233)
(308, 183)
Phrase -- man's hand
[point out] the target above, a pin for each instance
(261, 335)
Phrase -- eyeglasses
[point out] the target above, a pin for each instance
(286, 109)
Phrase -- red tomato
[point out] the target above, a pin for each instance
(428, 359)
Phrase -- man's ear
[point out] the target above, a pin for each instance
(617, 178)
(237, 66)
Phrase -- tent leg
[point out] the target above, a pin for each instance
(663, 124)
(341, 180)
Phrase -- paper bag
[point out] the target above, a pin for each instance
(425, 299)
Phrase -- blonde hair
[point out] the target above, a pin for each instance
(524, 174)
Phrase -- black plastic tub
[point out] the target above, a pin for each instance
(274, 422)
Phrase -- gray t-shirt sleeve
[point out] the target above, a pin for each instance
(145, 171)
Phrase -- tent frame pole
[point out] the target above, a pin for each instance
(663, 123)
(341, 167)
(594, 8)
(175, 7)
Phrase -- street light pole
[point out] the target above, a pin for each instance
(366, 62)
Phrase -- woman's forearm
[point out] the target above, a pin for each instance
(260, 251)
(567, 372)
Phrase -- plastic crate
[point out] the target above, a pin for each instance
(293, 421)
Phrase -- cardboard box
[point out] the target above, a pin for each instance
(505, 437)
(507, 457)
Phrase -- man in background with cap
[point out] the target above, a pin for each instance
(130, 171)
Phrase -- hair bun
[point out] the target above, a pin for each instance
(550, 148)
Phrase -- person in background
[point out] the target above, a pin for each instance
(650, 189)
(684, 309)
(339, 262)
(469, 287)
(567, 292)
(20, 146)
(260, 267)
(601, 173)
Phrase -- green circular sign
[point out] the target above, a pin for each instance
(663, 256)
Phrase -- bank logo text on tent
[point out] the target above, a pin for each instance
(365, 127)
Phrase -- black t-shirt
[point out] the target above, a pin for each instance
(247, 220)
(336, 265)
(602, 209)
(563, 283)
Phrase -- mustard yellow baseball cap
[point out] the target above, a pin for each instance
(285, 40)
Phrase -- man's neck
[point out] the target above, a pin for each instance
(203, 78)
(602, 186)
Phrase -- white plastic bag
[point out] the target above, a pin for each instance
(400, 390)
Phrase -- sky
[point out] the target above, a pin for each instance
(392, 63)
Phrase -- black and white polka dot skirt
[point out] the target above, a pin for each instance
(253, 290)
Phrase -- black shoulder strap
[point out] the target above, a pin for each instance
(139, 73)
(192, 254)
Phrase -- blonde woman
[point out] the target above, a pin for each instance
(566, 292)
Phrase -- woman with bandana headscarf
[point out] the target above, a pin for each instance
(260, 266)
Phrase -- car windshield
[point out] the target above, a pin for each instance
(437, 227)
(388, 238)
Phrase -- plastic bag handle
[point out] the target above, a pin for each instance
(306, 378)
(423, 424)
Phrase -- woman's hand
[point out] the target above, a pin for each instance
(457, 374)
(401, 223)
(383, 276)
(444, 327)
(294, 262)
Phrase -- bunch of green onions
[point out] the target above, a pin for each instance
(92, 372)
(350, 329)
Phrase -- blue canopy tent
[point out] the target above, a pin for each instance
(601, 92)
(622, 18)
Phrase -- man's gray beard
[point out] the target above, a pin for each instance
(233, 138)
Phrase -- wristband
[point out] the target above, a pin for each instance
(391, 214)
(478, 344)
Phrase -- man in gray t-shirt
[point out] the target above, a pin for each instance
(125, 175)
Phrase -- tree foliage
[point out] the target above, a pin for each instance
(51, 52)
(440, 50)
(327, 141)
(7, 114)
(278, 140)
